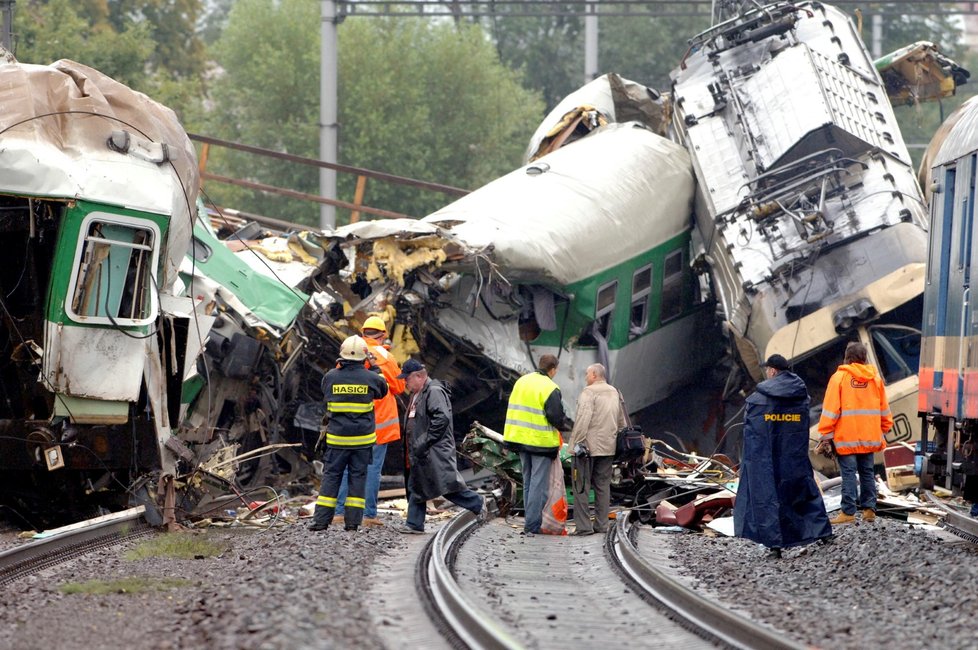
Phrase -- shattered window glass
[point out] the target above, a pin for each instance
(672, 286)
(605, 305)
(897, 351)
(641, 290)
(113, 280)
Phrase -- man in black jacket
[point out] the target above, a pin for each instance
(778, 504)
(350, 390)
(431, 449)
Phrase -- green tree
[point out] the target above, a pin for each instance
(179, 50)
(48, 31)
(95, 32)
(417, 98)
(547, 50)
(433, 99)
(550, 49)
(646, 49)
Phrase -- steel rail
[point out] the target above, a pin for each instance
(696, 612)
(464, 623)
(962, 525)
(30, 558)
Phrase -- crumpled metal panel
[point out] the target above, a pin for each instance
(803, 102)
(614, 98)
(48, 149)
(555, 219)
(262, 300)
(797, 153)
(94, 362)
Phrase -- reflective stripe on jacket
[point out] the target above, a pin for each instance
(526, 421)
(855, 412)
(350, 391)
(385, 408)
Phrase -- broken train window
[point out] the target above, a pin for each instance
(604, 307)
(113, 278)
(641, 290)
(672, 286)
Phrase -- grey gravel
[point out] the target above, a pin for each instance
(879, 585)
(281, 588)
(884, 584)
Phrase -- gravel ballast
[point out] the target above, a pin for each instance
(281, 588)
(884, 584)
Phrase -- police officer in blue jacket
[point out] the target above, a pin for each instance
(778, 503)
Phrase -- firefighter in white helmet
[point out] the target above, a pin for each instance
(350, 390)
(385, 413)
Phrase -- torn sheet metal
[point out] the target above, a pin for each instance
(919, 73)
(608, 99)
(261, 300)
(814, 227)
(484, 286)
(109, 128)
(98, 190)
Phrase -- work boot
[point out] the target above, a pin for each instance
(372, 522)
(842, 518)
(869, 514)
(774, 553)
(407, 530)
(315, 527)
(352, 529)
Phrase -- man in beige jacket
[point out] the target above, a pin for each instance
(599, 417)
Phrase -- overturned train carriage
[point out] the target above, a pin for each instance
(585, 254)
(97, 195)
(949, 354)
(810, 217)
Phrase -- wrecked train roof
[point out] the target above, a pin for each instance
(609, 98)
(56, 140)
(579, 210)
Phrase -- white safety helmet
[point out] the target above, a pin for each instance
(354, 348)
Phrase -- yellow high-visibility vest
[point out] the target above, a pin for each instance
(526, 422)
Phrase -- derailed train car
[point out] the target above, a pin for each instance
(97, 195)
(948, 400)
(811, 220)
(583, 253)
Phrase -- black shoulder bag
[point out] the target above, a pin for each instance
(630, 443)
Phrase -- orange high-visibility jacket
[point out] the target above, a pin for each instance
(855, 413)
(385, 409)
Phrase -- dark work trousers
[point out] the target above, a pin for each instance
(417, 504)
(592, 472)
(355, 462)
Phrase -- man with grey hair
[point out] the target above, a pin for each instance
(600, 414)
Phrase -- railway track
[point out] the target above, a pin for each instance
(490, 588)
(72, 542)
(955, 522)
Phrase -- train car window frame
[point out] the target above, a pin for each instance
(967, 226)
(638, 319)
(200, 251)
(671, 304)
(129, 248)
(942, 239)
(603, 312)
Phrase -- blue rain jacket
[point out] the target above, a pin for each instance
(778, 503)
